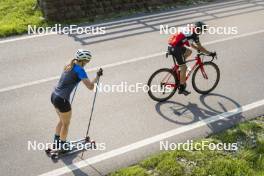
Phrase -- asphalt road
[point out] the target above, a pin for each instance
(130, 52)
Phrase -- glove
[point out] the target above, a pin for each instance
(100, 72)
(213, 54)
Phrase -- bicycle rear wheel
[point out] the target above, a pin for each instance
(162, 84)
(205, 80)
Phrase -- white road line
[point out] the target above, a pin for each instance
(13, 39)
(87, 70)
(122, 62)
(235, 37)
(151, 140)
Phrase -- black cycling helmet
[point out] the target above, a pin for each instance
(200, 26)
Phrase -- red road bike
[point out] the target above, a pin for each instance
(205, 78)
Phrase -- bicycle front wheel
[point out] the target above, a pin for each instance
(162, 84)
(206, 78)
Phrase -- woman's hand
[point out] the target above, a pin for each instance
(100, 72)
(90, 84)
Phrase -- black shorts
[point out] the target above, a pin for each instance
(62, 104)
(178, 53)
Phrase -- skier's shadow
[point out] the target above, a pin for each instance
(68, 161)
(187, 114)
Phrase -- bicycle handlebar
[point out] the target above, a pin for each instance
(198, 55)
(202, 54)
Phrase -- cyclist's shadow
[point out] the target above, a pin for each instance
(181, 114)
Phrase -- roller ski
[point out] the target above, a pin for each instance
(72, 147)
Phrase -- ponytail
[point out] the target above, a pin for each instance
(69, 66)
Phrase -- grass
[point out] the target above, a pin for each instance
(248, 160)
(16, 15)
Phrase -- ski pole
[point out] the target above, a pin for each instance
(90, 119)
(92, 108)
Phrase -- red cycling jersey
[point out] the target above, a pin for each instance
(183, 38)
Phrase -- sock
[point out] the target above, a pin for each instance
(62, 142)
(56, 138)
(182, 87)
(56, 141)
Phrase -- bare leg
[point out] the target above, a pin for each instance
(59, 125)
(58, 128)
(187, 53)
(183, 74)
(65, 120)
(183, 67)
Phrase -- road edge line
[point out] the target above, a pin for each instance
(151, 140)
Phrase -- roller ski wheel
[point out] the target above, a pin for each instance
(54, 156)
(48, 151)
(93, 144)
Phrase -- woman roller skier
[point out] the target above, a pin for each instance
(73, 73)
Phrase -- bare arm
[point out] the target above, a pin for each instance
(90, 84)
(199, 47)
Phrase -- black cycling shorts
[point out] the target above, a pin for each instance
(62, 104)
(178, 53)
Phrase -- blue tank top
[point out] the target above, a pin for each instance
(69, 80)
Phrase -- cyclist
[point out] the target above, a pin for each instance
(177, 43)
(73, 73)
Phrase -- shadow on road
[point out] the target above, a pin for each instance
(68, 161)
(178, 17)
(187, 114)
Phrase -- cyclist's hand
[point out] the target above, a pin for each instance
(100, 72)
(213, 54)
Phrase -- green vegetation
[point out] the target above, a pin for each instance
(15, 15)
(248, 160)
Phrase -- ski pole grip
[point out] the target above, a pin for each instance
(100, 72)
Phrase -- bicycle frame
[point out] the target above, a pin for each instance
(176, 70)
